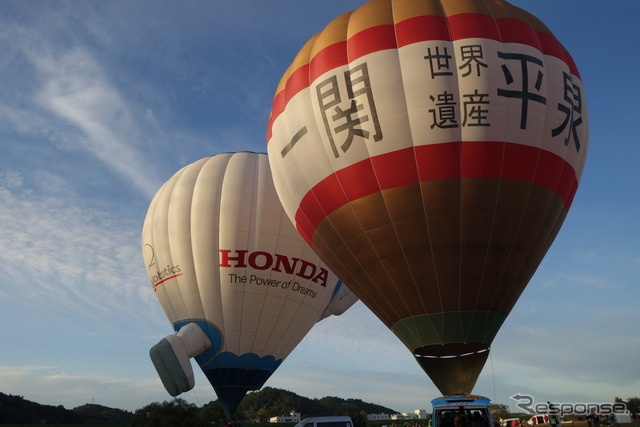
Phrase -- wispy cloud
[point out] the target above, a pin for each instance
(83, 259)
(65, 94)
(77, 90)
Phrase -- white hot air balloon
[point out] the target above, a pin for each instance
(222, 255)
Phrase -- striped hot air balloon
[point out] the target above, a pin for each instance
(428, 151)
(222, 255)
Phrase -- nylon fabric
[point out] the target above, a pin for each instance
(222, 254)
(444, 151)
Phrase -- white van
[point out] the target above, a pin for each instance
(337, 421)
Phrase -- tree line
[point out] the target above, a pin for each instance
(18, 410)
(256, 407)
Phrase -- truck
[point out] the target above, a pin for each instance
(461, 410)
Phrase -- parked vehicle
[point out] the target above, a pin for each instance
(461, 410)
(538, 419)
(543, 419)
(337, 421)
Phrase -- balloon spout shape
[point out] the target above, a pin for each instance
(341, 300)
(171, 358)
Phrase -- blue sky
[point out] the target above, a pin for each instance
(101, 102)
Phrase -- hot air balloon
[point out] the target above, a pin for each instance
(429, 151)
(341, 300)
(234, 278)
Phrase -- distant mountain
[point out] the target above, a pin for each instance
(264, 404)
(270, 402)
(95, 414)
(17, 410)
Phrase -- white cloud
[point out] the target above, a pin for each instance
(64, 95)
(11, 179)
(76, 89)
(70, 258)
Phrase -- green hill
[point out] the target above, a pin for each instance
(260, 405)
(17, 410)
(271, 402)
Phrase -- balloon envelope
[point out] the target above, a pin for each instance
(428, 151)
(341, 300)
(221, 253)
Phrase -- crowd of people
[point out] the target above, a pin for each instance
(463, 418)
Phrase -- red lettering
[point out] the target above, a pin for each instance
(225, 258)
(253, 260)
(261, 260)
(283, 261)
(307, 270)
(322, 277)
